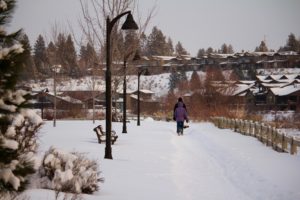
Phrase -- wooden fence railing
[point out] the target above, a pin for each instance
(266, 134)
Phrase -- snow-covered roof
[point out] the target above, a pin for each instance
(283, 91)
(70, 99)
(146, 91)
(246, 82)
(278, 77)
(263, 53)
(167, 58)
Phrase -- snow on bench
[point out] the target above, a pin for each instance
(101, 135)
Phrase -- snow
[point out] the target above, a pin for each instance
(34, 118)
(11, 108)
(152, 162)
(16, 48)
(3, 5)
(10, 144)
(7, 176)
(286, 90)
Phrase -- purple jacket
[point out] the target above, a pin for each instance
(180, 113)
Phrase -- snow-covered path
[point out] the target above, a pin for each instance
(152, 162)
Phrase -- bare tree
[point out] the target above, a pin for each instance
(93, 26)
(93, 21)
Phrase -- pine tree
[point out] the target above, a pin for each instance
(60, 53)
(40, 56)
(262, 47)
(18, 124)
(51, 54)
(71, 58)
(201, 52)
(209, 50)
(238, 73)
(29, 70)
(230, 49)
(143, 44)
(156, 43)
(88, 58)
(173, 80)
(292, 44)
(224, 48)
(179, 50)
(169, 48)
(195, 83)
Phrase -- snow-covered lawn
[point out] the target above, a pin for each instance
(152, 162)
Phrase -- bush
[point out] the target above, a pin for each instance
(69, 172)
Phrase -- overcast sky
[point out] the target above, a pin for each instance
(195, 23)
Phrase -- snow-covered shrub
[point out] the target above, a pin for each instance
(69, 172)
(18, 146)
(18, 124)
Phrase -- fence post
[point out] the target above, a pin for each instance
(247, 127)
(251, 128)
(283, 142)
(242, 125)
(255, 129)
(232, 124)
(293, 146)
(273, 138)
(258, 133)
(269, 136)
(235, 125)
(264, 134)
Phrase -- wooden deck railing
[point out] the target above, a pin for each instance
(268, 135)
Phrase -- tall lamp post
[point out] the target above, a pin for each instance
(56, 69)
(136, 57)
(138, 94)
(128, 24)
(124, 129)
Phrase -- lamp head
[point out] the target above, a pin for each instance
(129, 23)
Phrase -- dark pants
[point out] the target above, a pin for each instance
(179, 127)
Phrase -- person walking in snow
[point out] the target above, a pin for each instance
(180, 114)
(176, 105)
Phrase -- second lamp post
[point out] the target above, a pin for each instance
(140, 72)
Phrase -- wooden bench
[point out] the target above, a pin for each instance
(101, 135)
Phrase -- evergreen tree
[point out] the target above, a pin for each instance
(156, 43)
(170, 48)
(40, 56)
(182, 75)
(201, 52)
(262, 47)
(88, 58)
(238, 73)
(60, 53)
(18, 124)
(143, 44)
(230, 49)
(292, 44)
(179, 50)
(51, 54)
(28, 70)
(224, 49)
(83, 53)
(71, 58)
(173, 80)
(251, 73)
(195, 83)
(209, 50)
